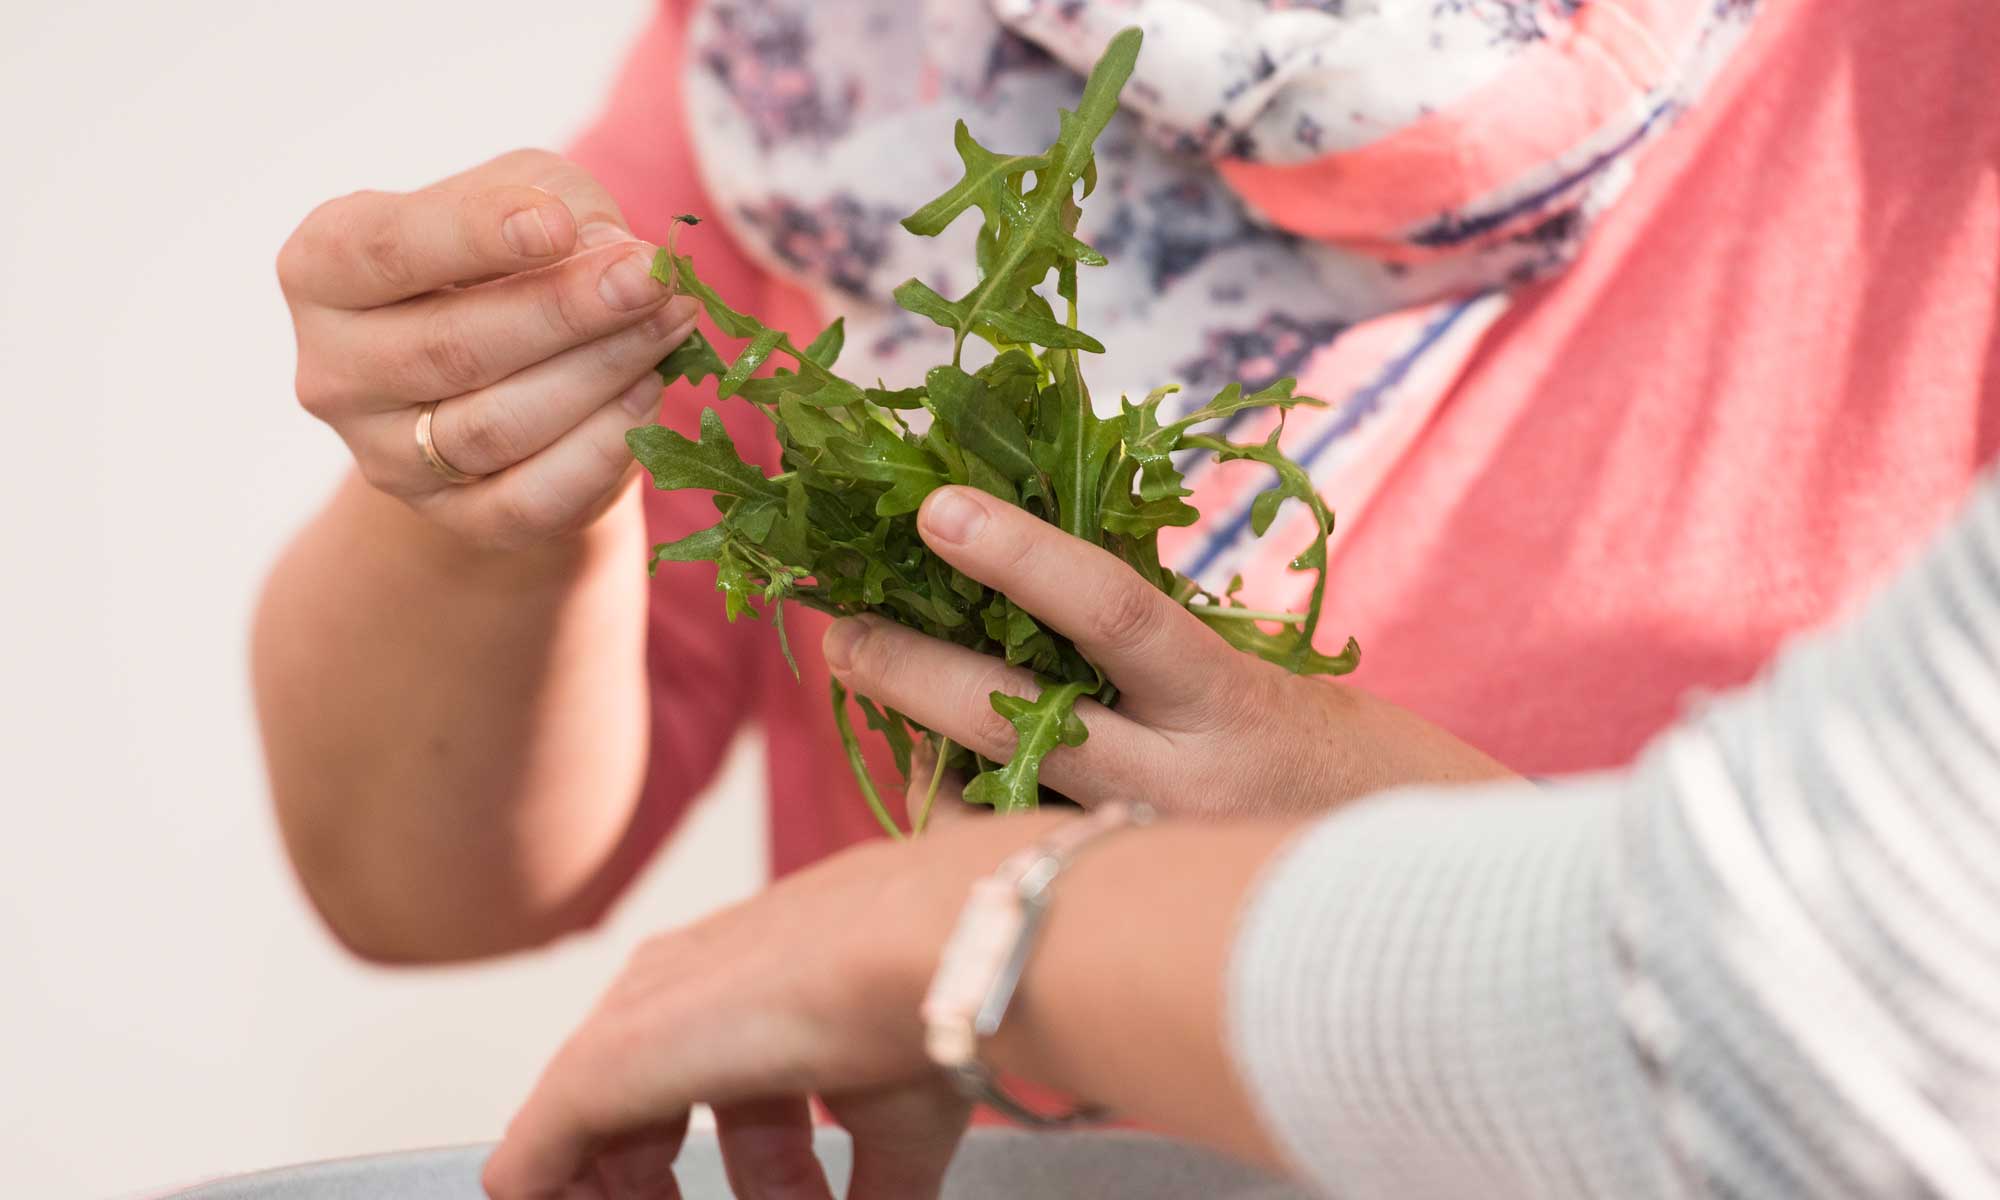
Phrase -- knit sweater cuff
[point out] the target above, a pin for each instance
(1423, 1001)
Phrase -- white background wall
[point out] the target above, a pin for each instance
(168, 1008)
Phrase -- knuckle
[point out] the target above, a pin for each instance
(613, 355)
(487, 435)
(469, 221)
(531, 161)
(1251, 695)
(992, 732)
(563, 308)
(989, 728)
(381, 248)
(621, 354)
(1125, 614)
(382, 476)
(529, 512)
(1247, 699)
(294, 264)
(448, 353)
(316, 393)
(320, 241)
(869, 657)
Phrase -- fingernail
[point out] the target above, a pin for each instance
(952, 516)
(602, 233)
(840, 639)
(644, 398)
(628, 283)
(531, 233)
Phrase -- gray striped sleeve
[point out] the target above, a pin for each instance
(1765, 961)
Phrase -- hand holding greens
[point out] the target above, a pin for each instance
(836, 530)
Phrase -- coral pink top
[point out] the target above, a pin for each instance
(1774, 369)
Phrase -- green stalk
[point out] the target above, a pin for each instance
(1220, 612)
(943, 750)
(856, 764)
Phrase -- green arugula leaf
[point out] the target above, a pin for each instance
(1285, 647)
(826, 348)
(1040, 725)
(703, 545)
(984, 185)
(712, 463)
(1076, 460)
(1034, 236)
(753, 356)
(982, 421)
(1293, 484)
(858, 765)
(893, 728)
(804, 425)
(880, 456)
(693, 360)
(899, 398)
(677, 272)
(835, 530)
(1128, 516)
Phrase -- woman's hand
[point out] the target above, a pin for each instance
(812, 989)
(809, 990)
(513, 295)
(1200, 727)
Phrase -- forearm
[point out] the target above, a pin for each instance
(455, 738)
(1123, 1001)
(1759, 962)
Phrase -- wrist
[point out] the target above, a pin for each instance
(398, 532)
(937, 874)
(1123, 1002)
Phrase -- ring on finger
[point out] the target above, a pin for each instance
(427, 445)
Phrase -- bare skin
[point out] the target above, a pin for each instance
(450, 679)
(812, 989)
(1200, 727)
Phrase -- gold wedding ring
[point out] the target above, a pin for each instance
(445, 470)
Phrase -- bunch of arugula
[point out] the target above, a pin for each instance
(836, 530)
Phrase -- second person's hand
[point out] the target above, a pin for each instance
(1199, 728)
(514, 298)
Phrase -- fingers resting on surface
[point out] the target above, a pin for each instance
(767, 1150)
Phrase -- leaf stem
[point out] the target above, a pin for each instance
(856, 764)
(674, 269)
(943, 751)
(1230, 613)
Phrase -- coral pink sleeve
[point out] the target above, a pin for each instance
(705, 672)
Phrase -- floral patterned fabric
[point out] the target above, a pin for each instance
(1284, 172)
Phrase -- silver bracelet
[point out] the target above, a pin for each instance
(988, 951)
